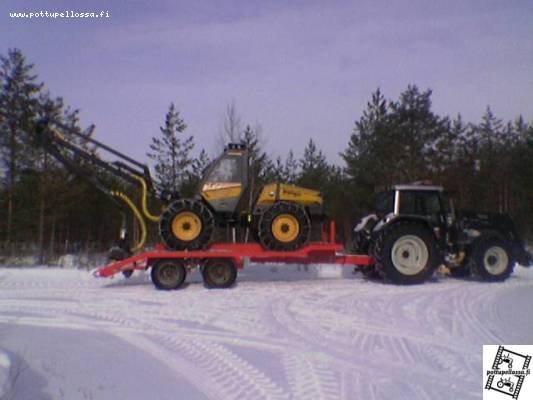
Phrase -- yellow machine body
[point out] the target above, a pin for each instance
(284, 192)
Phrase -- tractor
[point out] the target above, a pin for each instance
(278, 215)
(507, 383)
(415, 228)
(506, 359)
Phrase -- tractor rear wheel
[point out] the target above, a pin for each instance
(168, 274)
(284, 226)
(406, 253)
(186, 225)
(491, 259)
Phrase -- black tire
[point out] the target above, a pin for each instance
(202, 227)
(462, 271)
(370, 272)
(491, 260)
(127, 273)
(118, 253)
(406, 253)
(168, 274)
(219, 273)
(275, 235)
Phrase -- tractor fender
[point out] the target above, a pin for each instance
(392, 220)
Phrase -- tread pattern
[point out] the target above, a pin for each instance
(213, 284)
(196, 207)
(380, 255)
(266, 237)
(476, 259)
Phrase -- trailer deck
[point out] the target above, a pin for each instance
(239, 254)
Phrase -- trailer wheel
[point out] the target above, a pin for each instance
(186, 225)
(491, 259)
(284, 226)
(168, 274)
(219, 273)
(406, 253)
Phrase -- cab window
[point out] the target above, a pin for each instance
(226, 171)
(420, 203)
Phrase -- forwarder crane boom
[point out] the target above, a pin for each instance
(52, 137)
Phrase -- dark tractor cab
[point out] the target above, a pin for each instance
(415, 228)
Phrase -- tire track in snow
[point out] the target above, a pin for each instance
(395, 348)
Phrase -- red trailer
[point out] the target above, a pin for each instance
(220, 262)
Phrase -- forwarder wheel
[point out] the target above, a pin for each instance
(186, 225)
(219, 273)
(491, 259)
(168, 274)
(284, 226)
(406, 253)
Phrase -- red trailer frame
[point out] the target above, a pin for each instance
(327, 252)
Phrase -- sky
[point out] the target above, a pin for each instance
(299, 69)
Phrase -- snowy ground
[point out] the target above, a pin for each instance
(280, 333)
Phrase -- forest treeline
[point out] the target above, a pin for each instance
(47, 210)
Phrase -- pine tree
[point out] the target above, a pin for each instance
(257, 157)
(286, 171)
(370, 153)
(314, 169)
(18, 105)
(171, 153)
(415, 128)
(198, 167)
(290, 169)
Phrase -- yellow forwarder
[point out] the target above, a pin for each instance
(279, 215)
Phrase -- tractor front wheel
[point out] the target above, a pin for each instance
(284, 226)
(491, 259)
(186, 225)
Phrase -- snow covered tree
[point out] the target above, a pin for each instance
(171, 153)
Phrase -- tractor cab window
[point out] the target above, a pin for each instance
(225, 171)
(385, 203)
(420, 203)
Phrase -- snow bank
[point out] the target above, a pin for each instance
(84, 261)
(19, 261)
(5, 365)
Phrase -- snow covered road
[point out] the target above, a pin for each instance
(280, 333)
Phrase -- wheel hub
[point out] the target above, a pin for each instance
(186, 226)
(495, 260)
(219, 273)
(409, 255)
(285, 228)
(168, 274)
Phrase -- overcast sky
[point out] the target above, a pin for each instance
(300, 69)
